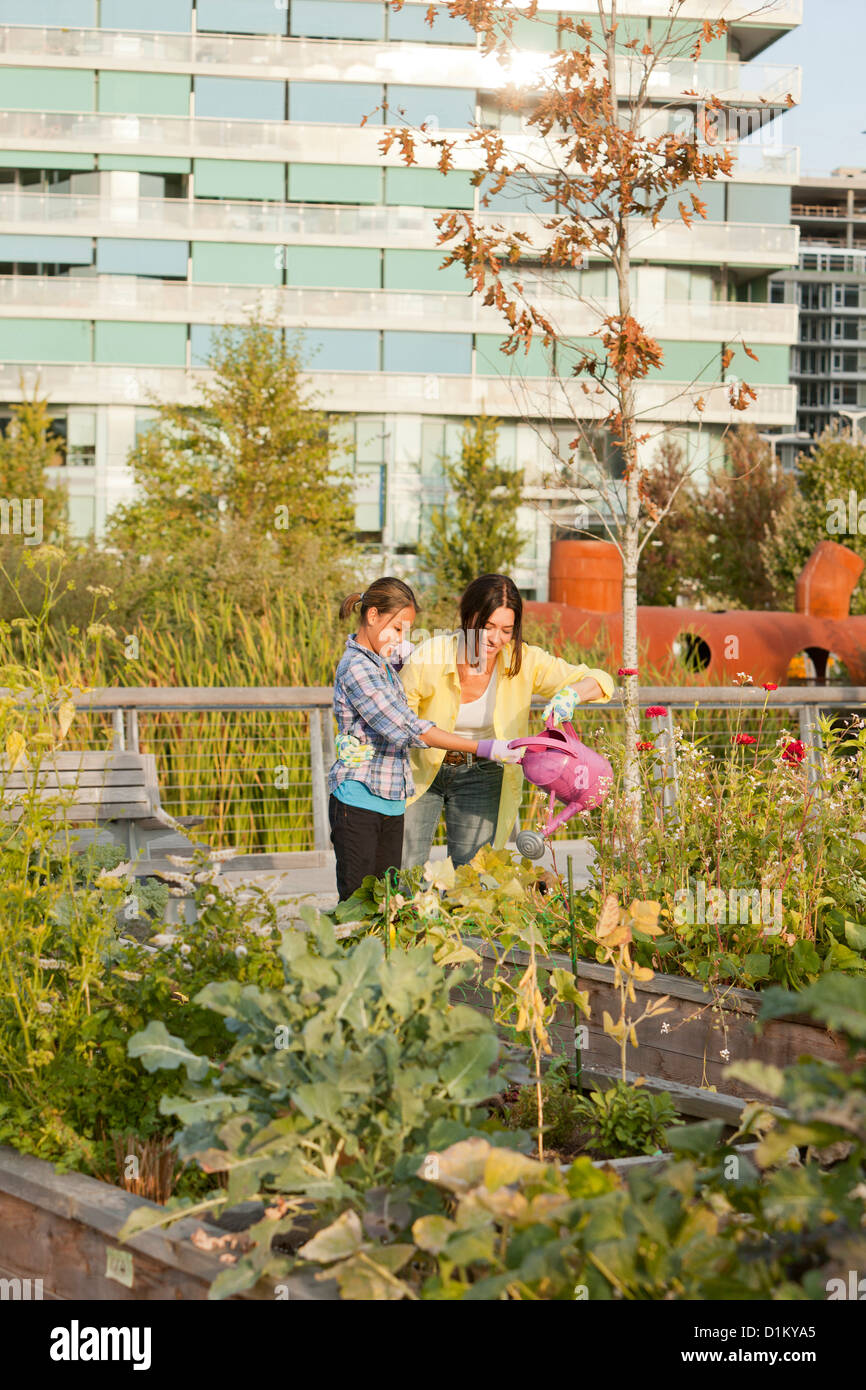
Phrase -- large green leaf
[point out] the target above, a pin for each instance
(159, 1050)
(838, 1001)
(342, 1238)
(465, 1071)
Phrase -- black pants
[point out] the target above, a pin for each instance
(365, 842)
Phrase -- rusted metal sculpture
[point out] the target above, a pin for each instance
(718, 645)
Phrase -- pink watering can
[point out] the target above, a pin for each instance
(558, 763)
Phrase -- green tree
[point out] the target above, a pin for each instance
(820, 510)
(27, 450)
(476, 532)
(671, 560)
(248, 482)
(747, 498)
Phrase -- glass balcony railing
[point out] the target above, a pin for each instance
(293, 141)
(336, 60)
(106, 295)
(713, 243)
(390, 393)
(759, 12)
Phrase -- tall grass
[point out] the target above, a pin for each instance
(247, 773)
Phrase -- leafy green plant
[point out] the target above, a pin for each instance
(626, 1119)
(711, 1224)
(762, 832)
(338, 1082)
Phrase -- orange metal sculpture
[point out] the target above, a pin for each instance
(586, 587)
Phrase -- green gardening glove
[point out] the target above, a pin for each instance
(562, 706)
(352, 752)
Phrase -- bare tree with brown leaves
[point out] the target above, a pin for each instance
(603, 156)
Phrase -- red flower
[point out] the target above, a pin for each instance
(743, 738)
(770, 685)
(644, 747)
(655, 711)
(794, 752)
(627, 671)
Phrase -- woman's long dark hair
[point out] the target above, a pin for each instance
(481, 598)
(386, 595)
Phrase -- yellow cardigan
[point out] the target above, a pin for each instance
(433, 691)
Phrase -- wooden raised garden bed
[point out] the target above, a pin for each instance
(61, 1228)
(698, 1029)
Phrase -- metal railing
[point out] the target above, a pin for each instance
(278, 224)
(371, 61)
(510, 397)
(253, 762)
(453, 311)
(297, 141)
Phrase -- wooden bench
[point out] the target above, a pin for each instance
(115, 792)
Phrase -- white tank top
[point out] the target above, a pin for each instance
(475, 718)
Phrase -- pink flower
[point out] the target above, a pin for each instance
(655, 711)
(644, 747)
(794, 752)
(770, 685)
(627, 671)
(743, 738)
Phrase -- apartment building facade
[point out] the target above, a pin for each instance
(166, 168)
(828, 286)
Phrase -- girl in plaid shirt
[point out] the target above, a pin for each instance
(370, 780)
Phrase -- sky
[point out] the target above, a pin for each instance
(830, 47)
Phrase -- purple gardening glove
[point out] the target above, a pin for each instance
(497, 750)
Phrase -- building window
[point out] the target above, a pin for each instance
(846, 296)
(81, 439)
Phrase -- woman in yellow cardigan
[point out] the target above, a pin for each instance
(479, 682)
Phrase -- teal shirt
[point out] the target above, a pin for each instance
(355, 793)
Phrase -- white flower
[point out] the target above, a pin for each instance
(725, 1055)
(240, 951)
(666, 1027)
(43, 1007)
(185, 950)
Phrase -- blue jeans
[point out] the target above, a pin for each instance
(469, 795)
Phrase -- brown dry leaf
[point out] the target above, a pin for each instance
(609, 918)
(277, 1211)
(202, 1241)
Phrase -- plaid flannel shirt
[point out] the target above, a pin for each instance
(370, 702)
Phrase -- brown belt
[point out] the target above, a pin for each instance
(454, 758)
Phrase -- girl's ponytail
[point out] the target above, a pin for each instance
(387, 595)
(349, 604)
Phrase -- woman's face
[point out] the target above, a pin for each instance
(385, 631)
(496, 634)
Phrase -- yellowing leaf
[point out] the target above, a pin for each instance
(644, 917)
(65, 716)
(613, 1030)
(609, 919)
(16, 745)
(439, 873)
(643, 973)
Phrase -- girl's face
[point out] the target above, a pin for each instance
(385, 631)
(496, 634)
